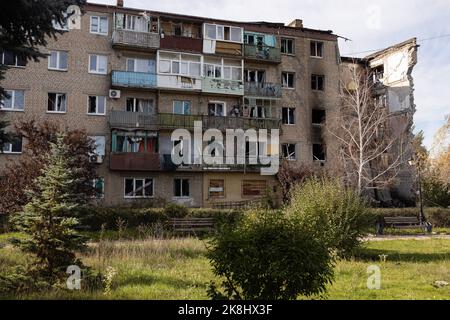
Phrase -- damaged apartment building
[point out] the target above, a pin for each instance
(130, 77)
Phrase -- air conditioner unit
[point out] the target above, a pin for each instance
(96, 159)
(114, 94)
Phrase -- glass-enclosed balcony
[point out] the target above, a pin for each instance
(133, 79)
(262, 53)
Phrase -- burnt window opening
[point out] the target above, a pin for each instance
(287, 46)
(288, 116)
(318, 117)
(288, 79)
(319, 152)
(317, 82)
(289, 152)
(378, 73)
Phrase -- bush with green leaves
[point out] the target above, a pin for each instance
(268, 257)
(173, 210)
(332, 212)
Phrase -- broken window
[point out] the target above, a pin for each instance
(318, 117)
(181, 188)
(57, 102)
(223, 33)
(287, 46)
(317, 82)
(96, 105)
(288, 79)
(316, 49)
(216, 109)
(378, 73)
(139, 105)
(14, 146)
(319, 152)
(258, 76)
(288, 116)
(138, 188)
(289, 151)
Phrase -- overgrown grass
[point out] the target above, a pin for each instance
(178, 269)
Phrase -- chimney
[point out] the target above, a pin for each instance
(297, 23)
(120, 3)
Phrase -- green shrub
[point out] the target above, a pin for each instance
(173, 210)
(335, 213)
(267, 257)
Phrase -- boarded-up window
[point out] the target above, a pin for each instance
(217, 188)
(254, 188)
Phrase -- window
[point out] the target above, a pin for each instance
(98, 64)
(181, 188)
(96, 105)
(287, 46)
(57, 102)
(319, 153)
(179, 64)
(223, 69)
(216, 189)
(254, 188)
(216, 109)
(288, 80)
(288, 116)
(223, 33)
(15, 102)
(258, 112)
(140, 105)
(99, 188)
(317, 82)
(57, 60)
(99, 144)
(13, 147)
(99, 25)
(138, 188)
(182, 107)
(135, 142)
(258, 76)
(289, 152)
(140, 65)
(316, 49)
(136, 23)
(318, 117)
(11, 59)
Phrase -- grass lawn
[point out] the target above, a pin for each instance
(178, 269)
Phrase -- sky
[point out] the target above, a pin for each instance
(371, 25)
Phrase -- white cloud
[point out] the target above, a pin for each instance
(354, 19)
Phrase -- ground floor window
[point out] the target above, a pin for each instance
(289, 152)
(319, 152)
(14, 147)
(181, 188)
(99, 186)
(254, 188)
(216, 189)
(138, 188)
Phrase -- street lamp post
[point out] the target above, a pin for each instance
(419, 181)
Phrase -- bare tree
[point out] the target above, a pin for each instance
(371, 152)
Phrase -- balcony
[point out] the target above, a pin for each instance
(262, 53)
(181, 43)
(177, 82)
(140, 40)
(221, 86)
(174, 121)
(263, 90)
(139, 80)
(135, 162)
(132, 120)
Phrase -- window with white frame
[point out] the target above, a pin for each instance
(99, 25)
(316, 49)
(258, 76)
(288, 116)
(223, 69)
(181, 107)
(136, 23)
(98, 64)
(12, 60)
(179, 64)
(287, 79)
(140, 65)
(15, 101)
(58, 60)
(287, 46)
(223, 33)
(289, 151)
(181, 188)
(140, 105)
(96, 105)
(57, 102)
(14, 146)
(139, 188)
(216, 109)
(317, 82)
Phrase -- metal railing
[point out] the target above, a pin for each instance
(133, 79)
(264, 89)
(222, 86)
(266, 53)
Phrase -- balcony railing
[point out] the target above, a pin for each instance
(221, 86)
(131, 120)
(128, 38)
(266, 90)
(181, 43)
(135, 162)
(133, 79)
(264, 53)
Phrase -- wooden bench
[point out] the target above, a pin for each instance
(403, 223)
(192, 225)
